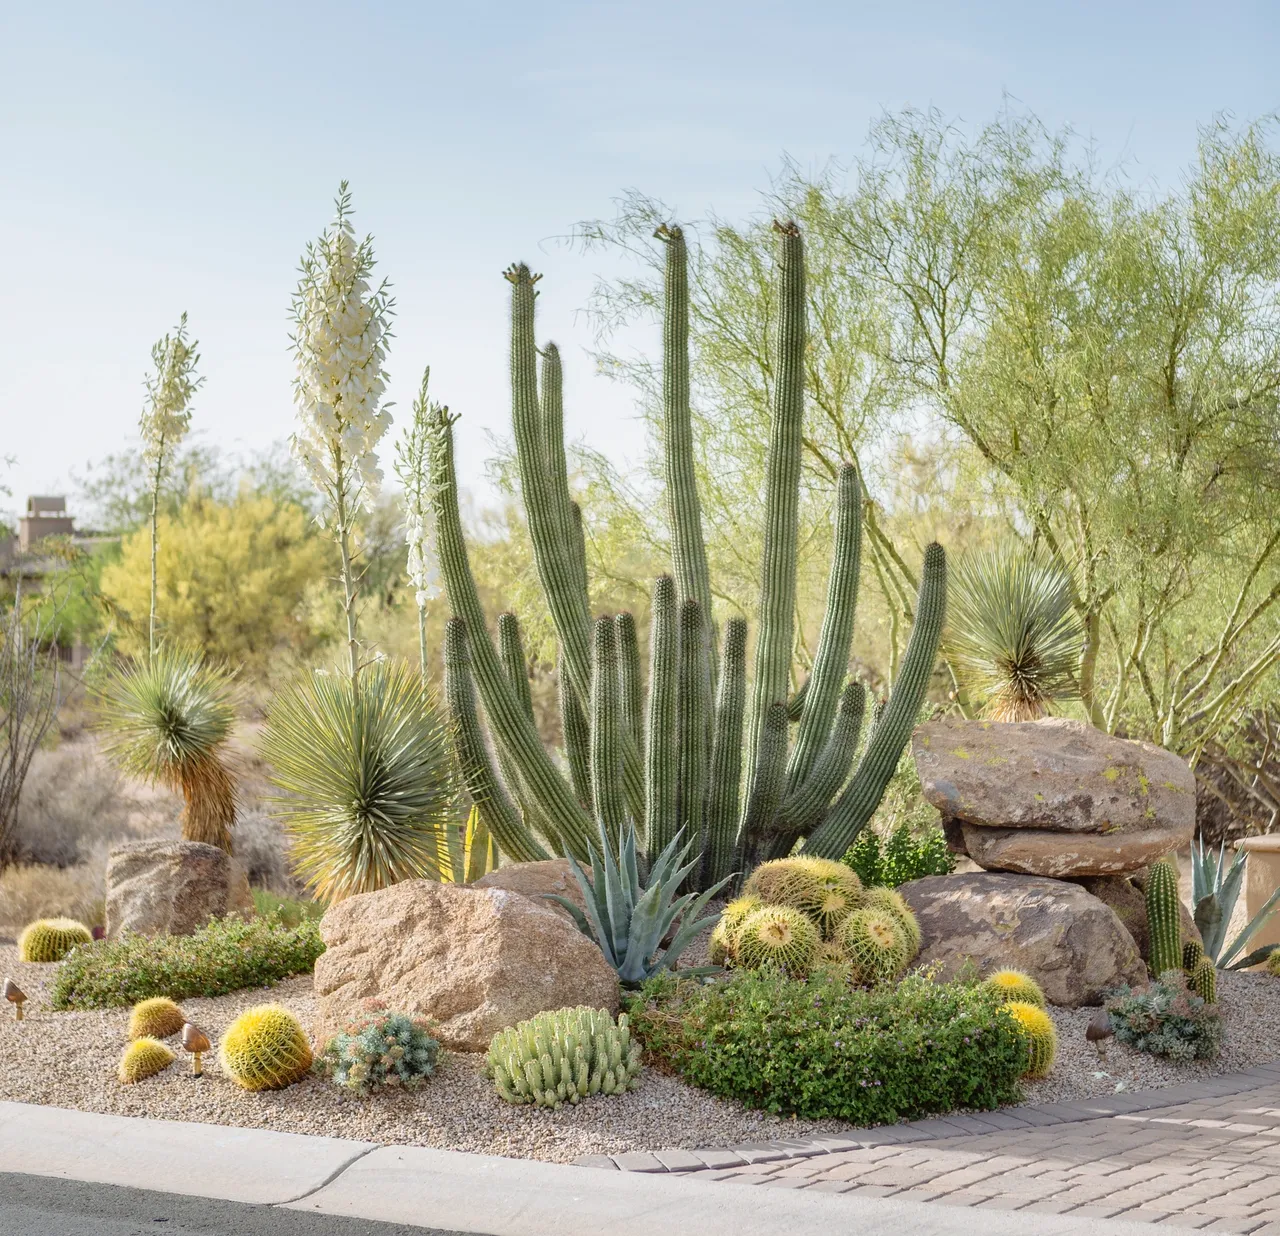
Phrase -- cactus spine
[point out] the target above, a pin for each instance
(629, 680)
(1041, 1036)
(156, 1018)
(662, 744)
(265, 1048)
(1192, 951)
(1204, 981)
(693, 712)
(726, 755)
(143, 1058)
(51, 939)
(606, 736)
(1164, 922)
(1013, 985)
(779, 937)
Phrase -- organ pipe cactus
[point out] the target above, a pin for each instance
(1163, 919)
(702, 756)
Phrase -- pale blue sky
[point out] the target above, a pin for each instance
(157, 158)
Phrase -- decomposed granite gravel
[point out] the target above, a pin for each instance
(69, 1060)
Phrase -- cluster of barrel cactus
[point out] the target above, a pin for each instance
(381, 1049)
(51, 939)
(1023, 999)
(702, 754)
(564, 1056)
(804, 913)
(265, 1048)
(1168, 951)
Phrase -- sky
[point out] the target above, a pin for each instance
(157, 159)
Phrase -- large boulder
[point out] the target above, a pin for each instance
(1069, 941)
(536, 880)
(1126, 896)
(172, 886)
(1054, 797)
(474, 960)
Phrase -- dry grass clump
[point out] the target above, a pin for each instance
(31, 892)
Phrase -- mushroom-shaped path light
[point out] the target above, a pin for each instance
(196, 1042)
(1098, 1031)
(15, 995)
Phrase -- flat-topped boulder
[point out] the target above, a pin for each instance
(1054, 797)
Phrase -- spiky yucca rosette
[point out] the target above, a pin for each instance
(779, 937)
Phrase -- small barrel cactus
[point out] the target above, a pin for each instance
(823, 889)
(893, 902)
(724, 939)
(1014, 985)
(1273, 962)
(380, 1049)
(1041, 1034)
(1192, 951)
(778, 936)
(1203, 980)
(265, 1048)
(51, 939)
(564, 1057)
(156, 1018)
(876, 945)
(831, 961)
(1164, 919)
(144, 1057)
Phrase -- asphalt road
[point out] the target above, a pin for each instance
(47, 1206)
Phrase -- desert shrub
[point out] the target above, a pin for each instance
(903, 855)
(822, 1050)
(1166, 1019)
(380, 1050)
(287, 910)
(28, 893)
(230, 954)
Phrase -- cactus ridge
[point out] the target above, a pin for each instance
(1041, 1036)
(876, 945)
(725, 775)
(265, 1048)
(156, 1018)
(778, 937)
(724, 939)
(1164, 920)
(893, 902)
(693, 709)
(143, 1058)
(606, 735)
(1204, 981)
(1014, 985)
(51, 939)
(662, 742)
(564, 1056)
(825, 891)
(1192, 951)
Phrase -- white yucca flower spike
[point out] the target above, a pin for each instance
(340, 344)
(167, 416)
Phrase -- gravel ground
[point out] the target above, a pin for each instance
(69, 1060)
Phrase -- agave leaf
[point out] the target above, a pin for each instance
(574, 912)
(1258, 954)
(691, 925)
(593, 913)
(1247, 931)
(1208, 918)
(618, 901)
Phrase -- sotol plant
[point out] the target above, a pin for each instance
(707, 756)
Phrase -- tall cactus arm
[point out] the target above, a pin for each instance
(629, 678)
(782, 499)
(514, 665)
(498, 812)
(662, 743)
(724, 788)
(577, 736)
(766, 794)
(552, 794)
(862, 795)
(553, 452)
(693, 708)
(606, 736)
(684, 508)
(795, 705)
(830, 665)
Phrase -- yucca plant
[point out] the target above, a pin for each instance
(629, 917)
(1014, 638)
(167, 719)
(364, 768)
(1215, 887)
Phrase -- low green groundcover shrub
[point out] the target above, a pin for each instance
(230, 954)
(820, 1049)
(901, 856)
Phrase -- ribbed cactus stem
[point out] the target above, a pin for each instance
(606, 736)
(662, 743)
(724, 781)
(822, 695)
(684, 508)
(782, 502)
(693, 708)
(1164, 922)
(552, 404)
(577, 736)
(542, 780)
(487, 791)
(889, 736)
(511, 653)
(765, 798)
(629, 678)
(795, 705)
(802, 809)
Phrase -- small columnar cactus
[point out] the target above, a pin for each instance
(876, 944)
(381, 1049)
(893, 902)
(1192, 951)
(1164, 920)
(51, 939)
(1041, 1034)
(1014, 985)
(780, 937)
(265, 1048)
(144, 1057)
(824, 890)
(1203, 980)
(724, 939)
(156, 1018)
(564, 1057)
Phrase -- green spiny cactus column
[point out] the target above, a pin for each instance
(822, 695)
(514, 665)
(889, 736)
(1164, 922)
(629, 678)
(662, 744)
(684, 509)
(693, 709)
(782, 499)
(577, 736)
(606, 736)
(766, 794)
(1204, 981)
(724, 787)
(500, 815)
(552, 405)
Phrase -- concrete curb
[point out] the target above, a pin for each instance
(1029, 1116)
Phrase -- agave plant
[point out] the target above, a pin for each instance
(366, 779)
(167, 720)
(629, 917)
(1215, 887)
(1014, 637)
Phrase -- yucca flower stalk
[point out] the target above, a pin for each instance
(413, 464)
(168, 720)
(342, 328)
(1014, 637)
(364, 768)
(165, 421)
